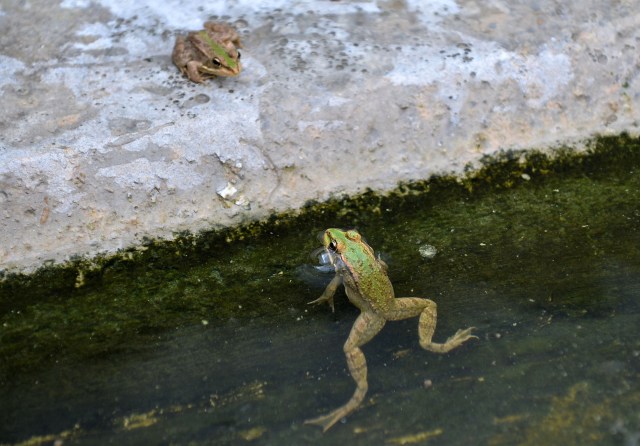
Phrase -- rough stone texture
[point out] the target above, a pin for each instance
(102, 141)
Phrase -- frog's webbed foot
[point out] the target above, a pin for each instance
(461, 336)
(328, 420)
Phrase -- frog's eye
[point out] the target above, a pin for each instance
(333, 246)
(239, 55)
(216, 62)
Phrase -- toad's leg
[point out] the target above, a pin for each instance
(364, 329)
(406, 307)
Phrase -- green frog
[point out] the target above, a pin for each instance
(368, 287)
(212, 51)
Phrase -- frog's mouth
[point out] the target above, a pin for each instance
(323, 255)
(324, 259)
(327, 259)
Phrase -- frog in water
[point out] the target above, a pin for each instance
(368, 287)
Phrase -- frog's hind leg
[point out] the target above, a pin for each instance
(406, 307)
(364, 329)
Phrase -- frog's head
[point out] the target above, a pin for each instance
(346, 247)
(337, 241)
(224, 61)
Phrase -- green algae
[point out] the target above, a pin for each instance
(528, 240)
(503, 171)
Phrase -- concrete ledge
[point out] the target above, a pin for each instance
(103, 142)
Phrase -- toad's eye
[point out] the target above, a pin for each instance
(216, 62)
(333, 246)
(239, 55)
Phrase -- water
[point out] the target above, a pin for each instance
(216, 345)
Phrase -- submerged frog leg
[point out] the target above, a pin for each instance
(406, 307)
(329, 291)
(364, 329)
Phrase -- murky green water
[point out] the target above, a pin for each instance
(216, 345)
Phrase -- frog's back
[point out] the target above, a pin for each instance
(371, 281)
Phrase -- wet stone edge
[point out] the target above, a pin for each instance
(505, 170)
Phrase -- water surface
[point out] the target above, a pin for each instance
(221, 348)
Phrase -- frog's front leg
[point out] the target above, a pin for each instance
(329, 291)
(406, 307)
(192, 71)
(364, 329)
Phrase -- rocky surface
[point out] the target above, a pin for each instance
(104, 142)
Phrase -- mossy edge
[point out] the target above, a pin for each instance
(504, 170)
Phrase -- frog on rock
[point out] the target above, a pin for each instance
(207, 53)
(368, 287)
